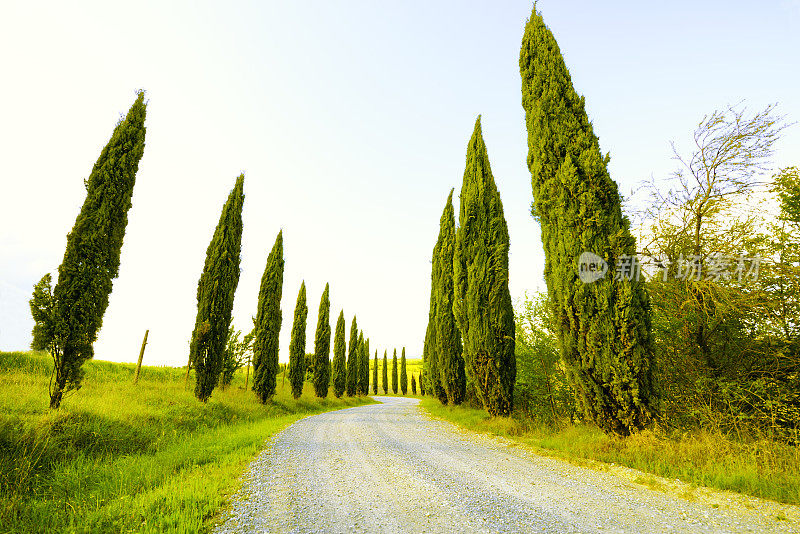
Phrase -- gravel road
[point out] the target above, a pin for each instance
(389, 468)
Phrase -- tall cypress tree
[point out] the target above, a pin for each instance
(604, 326)
(450, 361)
(430, 359)
(403, 375)
(352, 359)
(215, 293)
(385, 377)
(394, 372)
(297, 345)
(413, 385)
(268, 324)
(363, 384)
(339, 365)
(422, 382)
(375, 374)
(322, 346)
(482, 302)
(68, 319)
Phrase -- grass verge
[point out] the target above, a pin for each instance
(123, 458)
(760, 468)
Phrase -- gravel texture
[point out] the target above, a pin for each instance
(389, 468)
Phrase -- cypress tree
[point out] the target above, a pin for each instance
(375, 374)
(68, 320)
(363, 384)
(267, 324)
(430, 360)
(297, 345)
(450, 361)
(215, 293)
(352, 360)
(403, 375)
(385, 376)
(413, 385)
(322, 346)
(422, 383)
(603, 326)
(394, 372)
(339, 366)
(482, 302)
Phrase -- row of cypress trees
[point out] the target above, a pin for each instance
(471, 332)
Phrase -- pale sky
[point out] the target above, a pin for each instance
(350, 121)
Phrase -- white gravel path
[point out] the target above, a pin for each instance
(390, 468)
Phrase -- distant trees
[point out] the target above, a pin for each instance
(215, 293)
(447, 340)
(482, 303)
(375, 374)
(603, 325)
(322, 346)
(394, 372)
(413, 385)
(297, 345)
(68, 319)
(385, 376)
(268, 324)
(339, 365)
(403, 375)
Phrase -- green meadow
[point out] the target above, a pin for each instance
(119, 457)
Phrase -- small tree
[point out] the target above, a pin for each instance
(394, 372)
(68, 319)
(352, 360)
(238, 351)
(375, 374)
(363, 384)
(322, 347)
(339, 365)
(413, 385)
(403, 375)
(215, 293)
(422, 383)
(268, 324)
(297, 346)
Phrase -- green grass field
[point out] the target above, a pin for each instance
(121, 458)
(760, 468)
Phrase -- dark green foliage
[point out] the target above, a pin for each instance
(297, 345)
(375, 375)
(238, 351)
(67, 321)
(482, 302)
(403, 375)
(42, 312)
(385, 377)
(422, 382)
(430, 358)
(339, 365)
(363, 378)
(413, 385)
(215, 292)
(268, 324)
(447, 340)
(322, 346)
(394, 372)
(604, 326)
(352, 360)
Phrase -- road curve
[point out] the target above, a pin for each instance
(389, 468)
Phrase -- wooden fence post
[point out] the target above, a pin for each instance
(141, 355)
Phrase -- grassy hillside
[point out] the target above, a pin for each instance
(117, 457)
(760, 468)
